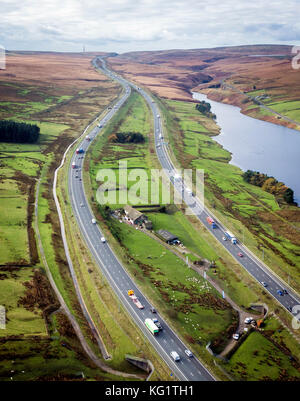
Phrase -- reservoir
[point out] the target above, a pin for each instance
(258, 145)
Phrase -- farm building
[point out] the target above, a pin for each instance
(134, 216)
(167, 237)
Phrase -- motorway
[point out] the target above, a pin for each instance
(250, 262)
(255, 267)
(167, 340)
(189, 369)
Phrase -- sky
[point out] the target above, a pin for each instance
(129, 25)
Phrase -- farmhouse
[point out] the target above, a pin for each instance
(134, 216)
(168, 237)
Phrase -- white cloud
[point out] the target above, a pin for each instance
(124, 25)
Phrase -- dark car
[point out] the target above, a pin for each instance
(153, 310)
(157, 323)
(285, 291)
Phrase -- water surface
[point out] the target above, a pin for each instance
(258, 145)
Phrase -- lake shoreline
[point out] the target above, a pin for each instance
(248, 142)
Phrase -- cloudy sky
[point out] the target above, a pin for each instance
(127, 25)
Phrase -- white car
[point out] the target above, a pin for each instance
(103, 239)
(94, 221)
(188, 353)
(236, 336)
(248, 320)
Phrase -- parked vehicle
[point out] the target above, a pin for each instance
(94, 221)
(248, 320)
(236, 336)
(103, 240)
(264, 284)
(153, 310)
(175, 356)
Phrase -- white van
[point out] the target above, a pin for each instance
(175, 356)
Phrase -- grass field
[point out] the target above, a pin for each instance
(253, 214)
(258, 359)
(193, 307)
(61, 112)
(119, 334)
(19, 319)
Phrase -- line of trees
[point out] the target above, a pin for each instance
(270, 184)
(127, 137)
(11, 131)
(204, 108)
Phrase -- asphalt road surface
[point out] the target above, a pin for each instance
(166, 341)
(258, 270)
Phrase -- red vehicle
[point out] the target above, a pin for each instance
(211, 222)
(135, 299)
(240, 254)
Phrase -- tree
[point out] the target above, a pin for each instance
(11, 131)
(289, 196)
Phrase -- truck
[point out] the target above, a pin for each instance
(211, 222)
(135, 299)
(79, 151)
(231, 237)
(151, 326)
(73, 165)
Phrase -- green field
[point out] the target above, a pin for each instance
(258, 359)
(252, 214)
(290, 109)
(61, 116)
(195, 308)
(19, 319)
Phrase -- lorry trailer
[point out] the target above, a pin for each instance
(211, 222)
(151, 326)
(231, 237)
(135, 299)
